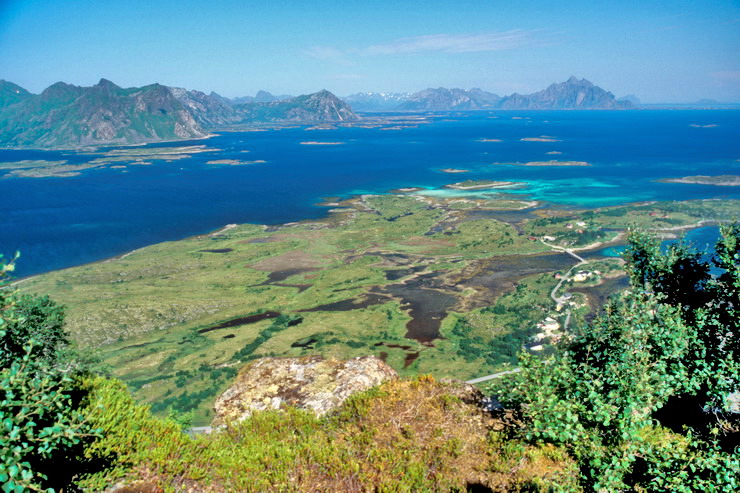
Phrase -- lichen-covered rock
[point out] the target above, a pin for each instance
(311, 383)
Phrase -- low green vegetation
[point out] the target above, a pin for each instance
(351, 279)
(644, 398)
(496, 334)
(43, 428)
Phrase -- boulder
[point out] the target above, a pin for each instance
(312, 383)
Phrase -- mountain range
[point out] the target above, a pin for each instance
(67, 116)
(573, 94)
(376, 101)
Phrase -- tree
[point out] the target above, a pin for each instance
(40, 427)
(640, 397)
(38, 319)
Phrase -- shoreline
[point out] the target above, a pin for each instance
(401, 191)
(111, 144)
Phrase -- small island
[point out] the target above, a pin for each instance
(454, 170)
(541, 138)
(489, 140)
(317, 143)
(546, 163)
(322, 127)
(235, 162)
(126, 156)
(720, 181)
(483, 184)
(407, 190)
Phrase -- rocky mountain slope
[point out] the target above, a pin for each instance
(572, 94)
(321, 106)
(261, 97)
(11, 93)
(376, 101)
(68, 116)
(65, 115)
(450, 99)
(208, 109)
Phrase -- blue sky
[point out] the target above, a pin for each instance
(661, 51)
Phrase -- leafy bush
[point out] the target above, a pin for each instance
(41, 427)
(620, 393)
(38, 319)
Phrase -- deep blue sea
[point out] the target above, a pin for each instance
(61, 222)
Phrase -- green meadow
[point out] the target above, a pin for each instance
(449, 286)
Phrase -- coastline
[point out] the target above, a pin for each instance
(90, 147)
(617, 240)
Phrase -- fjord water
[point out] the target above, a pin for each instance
(61, 222)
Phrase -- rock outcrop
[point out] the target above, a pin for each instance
(312, 383)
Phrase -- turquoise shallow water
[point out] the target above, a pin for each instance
(701, 239)
(60, 222)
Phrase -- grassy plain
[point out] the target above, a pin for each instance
(378, 276)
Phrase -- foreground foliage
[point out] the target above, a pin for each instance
(153, 314)
(640, 397)
(41, 428)
(640, 400)
(409, 435)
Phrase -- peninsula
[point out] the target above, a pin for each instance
(428, 283)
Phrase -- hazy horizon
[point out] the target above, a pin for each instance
(681, 52)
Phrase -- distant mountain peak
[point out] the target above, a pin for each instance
(575, 81)
(442, 99)
(376, 101)
(574, 93)
(65, 115)
(106, 83)
(11, 93)
(264, 96)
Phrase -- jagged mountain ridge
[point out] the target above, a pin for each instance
(376, 101)
(11, 93)
(262, 96)
(450, 99)
(573, 94)
(65, 115)
(321, 106)
(214, 111)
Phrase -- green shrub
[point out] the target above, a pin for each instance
(620, 394)
(41, 428)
